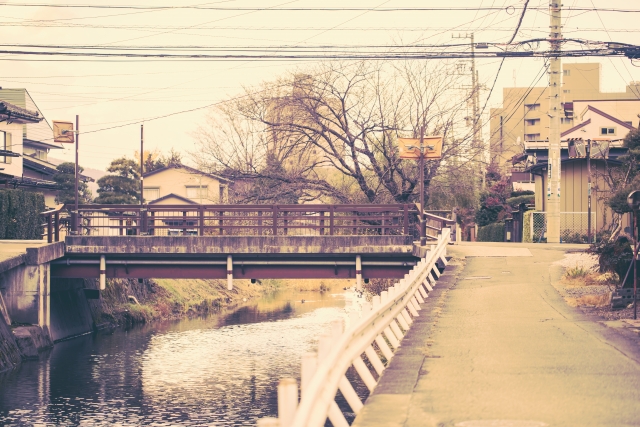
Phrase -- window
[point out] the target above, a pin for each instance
(566, 72)
(151, 193)
(566, 120)
(607, 131)
(5, 144)
(531, 136)
(532, 122)
(41, 154)
(532, 107)
(223, 194)
(197, 192)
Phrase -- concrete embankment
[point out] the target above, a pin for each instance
(9, 353)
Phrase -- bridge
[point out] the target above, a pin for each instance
(241, 241)
(206, 241)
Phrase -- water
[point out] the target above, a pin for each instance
(220, 370)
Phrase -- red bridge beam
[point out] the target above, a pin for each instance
(266, 270)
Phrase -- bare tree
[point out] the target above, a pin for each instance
(332, 132)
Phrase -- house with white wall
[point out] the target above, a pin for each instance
(30, 138)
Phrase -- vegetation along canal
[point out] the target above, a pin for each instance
(218, 370)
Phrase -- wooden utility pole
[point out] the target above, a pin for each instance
(141, 165)
(423, 222)
(77, 218)
(555, 109)
(477, 145)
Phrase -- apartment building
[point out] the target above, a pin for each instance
(524, 113)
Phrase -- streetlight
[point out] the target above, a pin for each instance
(415, 149)
(64, 133)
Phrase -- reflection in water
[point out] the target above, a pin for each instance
(220, 370)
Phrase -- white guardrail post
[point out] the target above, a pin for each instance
(373, 334)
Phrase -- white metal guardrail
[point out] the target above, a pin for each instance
(384, 322)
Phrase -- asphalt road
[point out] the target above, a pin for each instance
(496, 345)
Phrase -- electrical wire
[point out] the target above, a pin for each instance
(305, 9)
(633, 90)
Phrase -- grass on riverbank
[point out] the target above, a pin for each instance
(130, 301)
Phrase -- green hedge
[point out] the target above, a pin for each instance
(491, 233)
(20, 215)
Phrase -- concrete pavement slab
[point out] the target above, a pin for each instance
(509, 349)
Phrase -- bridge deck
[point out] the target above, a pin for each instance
(495, 341)
(259, 257)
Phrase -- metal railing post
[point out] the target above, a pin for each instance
(406, 219)
(57, 226)
(49, 229)
(331, 220)
(143, 221)
(286, 222)
(74, 222)
(184, 223)
(275, 220)
(201, 219)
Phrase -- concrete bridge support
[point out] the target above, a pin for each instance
(25, 289)
(25, 285)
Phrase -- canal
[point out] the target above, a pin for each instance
(219, 370)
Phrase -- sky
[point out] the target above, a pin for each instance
(113, 95)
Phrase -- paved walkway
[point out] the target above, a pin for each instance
(14, 248)
(495, 342)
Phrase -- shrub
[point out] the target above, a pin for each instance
(491, 233)
(20, 215)
(516, 201)
(614, 257)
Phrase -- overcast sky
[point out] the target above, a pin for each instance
(110, 92)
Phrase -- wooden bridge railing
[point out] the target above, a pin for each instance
(54, 220)
(436, 221)
(243, 220)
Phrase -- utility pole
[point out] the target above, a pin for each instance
(477, 121)
(477, 143)
(77, 218)
(555, 108)
(423, 222)
(141, 165)
(588, 147)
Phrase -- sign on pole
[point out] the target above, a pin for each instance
(410, 147)
(63, 132)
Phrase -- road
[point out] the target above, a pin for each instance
(496, 345)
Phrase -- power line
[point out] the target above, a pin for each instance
(610, 60)
(515, 32)
(320, 55)
(309, 9)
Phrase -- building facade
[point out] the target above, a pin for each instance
(31, 139)
(574, 180)
(177, 184)
(524, 113)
